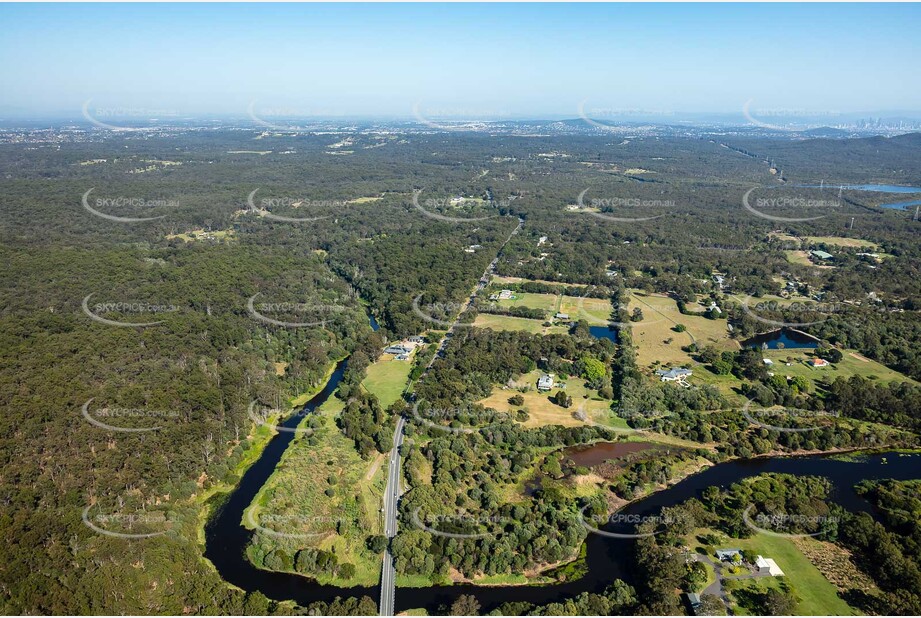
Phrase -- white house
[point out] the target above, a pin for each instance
(545, 382)
(766, 566)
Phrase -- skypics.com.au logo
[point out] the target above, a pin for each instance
(316, 314)
(791, 119)
(762, 308)
(124, 308)
(457, 525)
(119, 202)
(265, 204)
(790, 204)
(125, 525)
(124, 118)
(622, 525)
(120, 415)
(610, 208)
(292, 526)
(777, 524)
(768, 417)
(429, 207)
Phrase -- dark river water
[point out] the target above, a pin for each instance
(607, 558)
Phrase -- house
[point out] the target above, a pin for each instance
(818, 362)
(733, 556)
(714, 308)
(768, 362)
(545, 382)
(561, 316)
(766, 566)
(398, 349)
(693, 601)
(402, 357)
(416, 339)
(676, 374)
(821, 255)
(506, 295)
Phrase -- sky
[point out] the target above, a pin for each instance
(457, 60)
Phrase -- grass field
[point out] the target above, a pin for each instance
(852, 364)
(387, 378)
(802, 258)
(504, 322)
(542, 411)
(816, 595)
(595, 311)
(295, 495)
(839, 241)
(658, 342)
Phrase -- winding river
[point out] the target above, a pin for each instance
(607, 558)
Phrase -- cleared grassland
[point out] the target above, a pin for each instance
(542, 411)
(852, 364)
(802, 258)
(839, 241)
(294, 500)
(387, 378)
(504, 322)
(547, 302)
(816, 595)
(657, 341)
(595, 311)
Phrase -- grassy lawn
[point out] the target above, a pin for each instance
(658, 342)
(504, 322)
(802, 258)
(852, 364)
(839, 241)
(387, 378)
(296, 495)
(596, 311)
(544, 412)
(547, 302)
(816, 595)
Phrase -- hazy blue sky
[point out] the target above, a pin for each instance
(470, 59)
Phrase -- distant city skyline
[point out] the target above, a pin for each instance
(786, 63)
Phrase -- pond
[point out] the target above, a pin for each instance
(603, 332)
(787, 337)
(589, 455)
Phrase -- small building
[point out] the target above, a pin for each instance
(402, 357)
(693, 601)
(676, 374)
(416, 339)
(561, 316)
(545, 382)
(506, 295)
(818, 362)
(821, 255)
(714, 308)
(733, 556)
(768, 362)
(766, 566)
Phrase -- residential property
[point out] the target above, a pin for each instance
(818, 362)
(402, 357)
(676, 374)
(766, 566)
(545, 382)
(733, 556)
(714, 308)
(561, 316)
(822, 255)
(506, 295)
(416, 339)
(398, 349)
(693, 601)
(768, 362)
